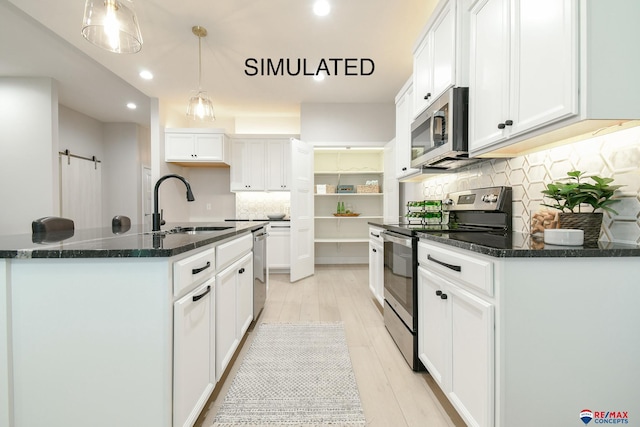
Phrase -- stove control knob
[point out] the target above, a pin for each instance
(447, 202)
(490, 198)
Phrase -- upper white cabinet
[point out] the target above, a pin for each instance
(404, 110)
(196, 146)
(261, 163)
(247, 165)
(523, 71)
(545, 71)
(278, 165)
(440, 55)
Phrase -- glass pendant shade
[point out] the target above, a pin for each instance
(200, 107)
(112, 25)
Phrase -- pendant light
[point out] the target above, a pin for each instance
(112, 25)
(200, 105)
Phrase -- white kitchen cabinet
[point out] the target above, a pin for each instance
(192, 333)
(278, 168)
(244, 268)
(226, 302)
(279, 246)
(234, 309)
(404, 114)
(456, 345)
(523, 71)
(440, 55)
(248, 165)
(376, 264)
(545, 75)
(196, 146)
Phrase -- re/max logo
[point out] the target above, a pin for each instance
(611, 414)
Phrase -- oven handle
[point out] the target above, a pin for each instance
(451, 266)
(393, 239)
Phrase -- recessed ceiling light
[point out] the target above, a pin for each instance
(145, 74)
(131, 106)
(321, 7)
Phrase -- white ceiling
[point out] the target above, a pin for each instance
(381, 30)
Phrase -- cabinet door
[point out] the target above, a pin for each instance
(226, 337)
(192, 383)
(244, 309)
(179, 146)
(544, 56)
(472, 362)
(433, 326)
(248, 166)
(279, 251)
(278, 170)
(444, 51)
(422, 77)
(489, 73)
(404, 111)
(209, 147)
(376, 271)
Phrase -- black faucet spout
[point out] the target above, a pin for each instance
(156, 212)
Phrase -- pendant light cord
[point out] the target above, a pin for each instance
(199, 63)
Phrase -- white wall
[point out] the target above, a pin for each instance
(339, 125)
(121, 168)
(29, 145)
(214, 201)
(80, 134)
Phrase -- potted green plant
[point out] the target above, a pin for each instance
(571, 196)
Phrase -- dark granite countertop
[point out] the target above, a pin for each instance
(522, 245)
(112, 243)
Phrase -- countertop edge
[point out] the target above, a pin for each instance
(197, 241)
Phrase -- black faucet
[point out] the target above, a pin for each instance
(157, 220)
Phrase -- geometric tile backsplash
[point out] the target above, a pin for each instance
(616, 155)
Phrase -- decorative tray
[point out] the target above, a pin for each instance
(346, 214)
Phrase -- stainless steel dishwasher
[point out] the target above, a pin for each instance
(260, 271)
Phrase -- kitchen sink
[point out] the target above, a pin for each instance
(198, 230)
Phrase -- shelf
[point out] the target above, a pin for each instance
(350, 194)
(339, 240)
(348, 172)
(348, 217)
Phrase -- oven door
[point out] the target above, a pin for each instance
(399, 273)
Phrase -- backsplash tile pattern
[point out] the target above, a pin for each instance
(257, 205)
(615, 155)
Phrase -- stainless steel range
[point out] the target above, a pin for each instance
(480, 215)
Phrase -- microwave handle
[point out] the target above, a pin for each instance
(437, 115)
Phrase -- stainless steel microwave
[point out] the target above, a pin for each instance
(439, 135)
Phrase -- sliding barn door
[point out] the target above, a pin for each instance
(81, 192)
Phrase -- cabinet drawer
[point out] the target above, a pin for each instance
(472, 270)
(374, 234)
(190, 270)
(232, 250)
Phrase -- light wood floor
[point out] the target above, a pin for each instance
(391, 393)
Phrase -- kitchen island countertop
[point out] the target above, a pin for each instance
(111, 243)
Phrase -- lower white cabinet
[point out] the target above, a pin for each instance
(244, 316)
(193, 381)
(456, 345)
(234, 309)
(279, 247)
(376, 265)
